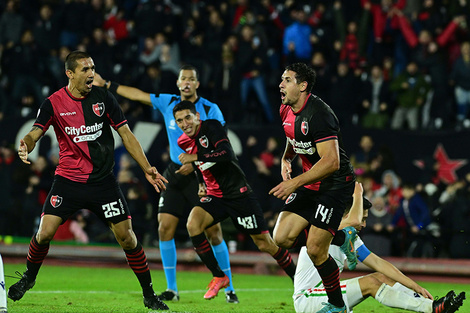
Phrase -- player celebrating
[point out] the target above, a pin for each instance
(319, 196)
(388, 285)
(82, 118)
(225, 192)
(181, 193)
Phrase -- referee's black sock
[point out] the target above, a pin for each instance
(329, 273)
(204, 250)
(36, 255)
(138, 262)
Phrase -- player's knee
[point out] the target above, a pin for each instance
(127, 242)
(283, 242)
(44, 237)
(369, 285)
(215, 238)
(193, 228)
(317, 254)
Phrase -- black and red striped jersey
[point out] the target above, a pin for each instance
(83, 130)
(216, 160)
(315, 123)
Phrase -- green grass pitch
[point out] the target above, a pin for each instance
(68, 289)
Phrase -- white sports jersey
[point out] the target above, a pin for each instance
(309, 293)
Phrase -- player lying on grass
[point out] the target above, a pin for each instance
(388, 285)
(224, 190)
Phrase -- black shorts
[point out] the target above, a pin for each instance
(104, 198)
(323, 209)
(180, 195)
(245, 212)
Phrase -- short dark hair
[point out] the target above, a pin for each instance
(303, 73)
(191, 68)
(71, 59)
(184, 105)
(366, 205)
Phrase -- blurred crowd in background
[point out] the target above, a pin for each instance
(380, 64)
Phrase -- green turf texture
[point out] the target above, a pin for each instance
(68, 289)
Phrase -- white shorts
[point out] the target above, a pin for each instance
(310, 300)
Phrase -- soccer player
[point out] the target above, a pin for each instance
(82, 117)
(388, 285)
(224, 190)
(3, 294)
(318, 197)
(181, 193)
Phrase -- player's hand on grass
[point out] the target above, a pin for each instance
(156, 179)
(185, 169)
(23, 152)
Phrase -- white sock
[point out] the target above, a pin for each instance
(406, 290)
(3, 292)
(394, 298)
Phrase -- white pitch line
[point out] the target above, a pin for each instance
(137, 292)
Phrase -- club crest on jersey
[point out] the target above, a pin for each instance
(98, 108)
(56, 201)
(304, 127)
(291, 198)
(204, 141)
(205, 199)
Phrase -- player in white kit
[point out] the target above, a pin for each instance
(388, 285)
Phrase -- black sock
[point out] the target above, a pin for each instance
(329, 273)
(36, 255)
(204, 250)
(301, 239)
(284, 259)
(339, 238)
(138, 262)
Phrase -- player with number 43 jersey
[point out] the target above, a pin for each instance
(224, 192)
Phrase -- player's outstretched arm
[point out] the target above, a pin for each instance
(128, 92)
(382, 266)
(28, 143)
(135, 150)
(355, 215)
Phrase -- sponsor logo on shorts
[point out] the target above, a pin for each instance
(291, 197)
(205, 199)
(98, 108)
(204, 141)
(2, 283)
(56, 201)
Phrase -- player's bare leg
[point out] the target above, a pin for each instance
(265, 243)
(198, 221)
(38, 249)
(137, 260)
(287, 229)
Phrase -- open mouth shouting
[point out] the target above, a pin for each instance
(89, 83)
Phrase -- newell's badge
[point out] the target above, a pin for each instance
(98, 108)
(205, 199)
(56, 201)
(304, 127)
(204, 141)
(291, 197)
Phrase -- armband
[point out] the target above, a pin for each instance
(113, 87)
